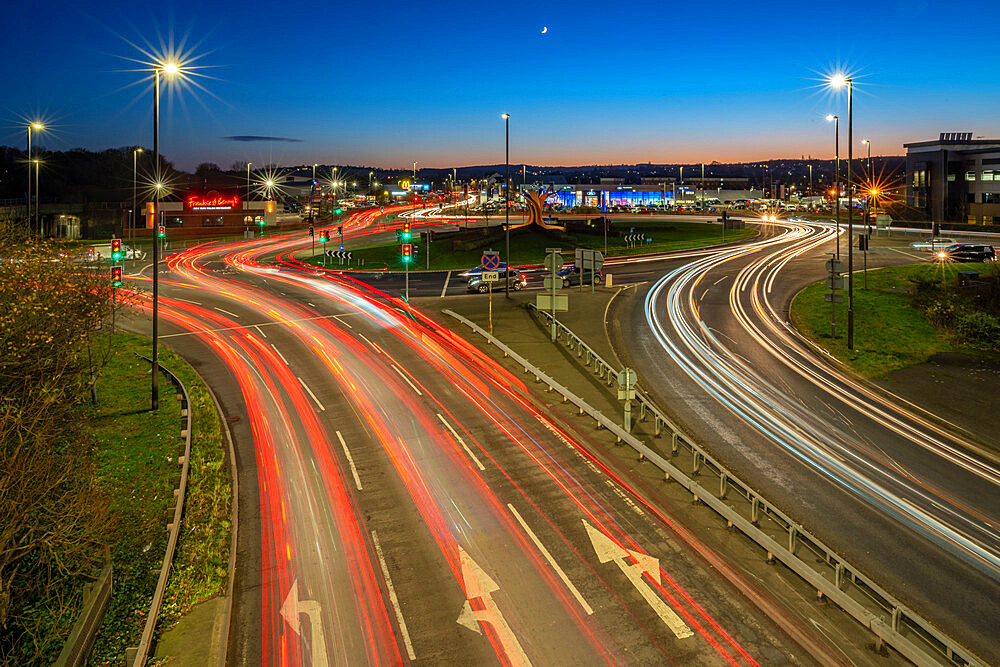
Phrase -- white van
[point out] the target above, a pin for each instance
(103, 251)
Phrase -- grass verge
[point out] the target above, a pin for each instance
(137, 452)
(889, 333)
(529, 247)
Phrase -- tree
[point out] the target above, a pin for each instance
(52, 518)
(207, 168)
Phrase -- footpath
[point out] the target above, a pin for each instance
(527, 334)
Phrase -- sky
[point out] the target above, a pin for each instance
(387, 83)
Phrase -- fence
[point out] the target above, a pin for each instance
(173, 528)
(747, 511)
(76, 650)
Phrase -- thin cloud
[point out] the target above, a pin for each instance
(254, 137)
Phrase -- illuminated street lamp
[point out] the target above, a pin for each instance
(135, 153)
(37, 127)
(170, 69)
(836, 197)
(506, 198)
(839, 81)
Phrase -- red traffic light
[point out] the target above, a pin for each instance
(407, 251)
(323, 237)
(161, 231)
(116, 276)
(116, 245)
(311, 231)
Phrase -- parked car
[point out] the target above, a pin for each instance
(967, 252)
(571, 276)
(933, 243)
(103, 251)
(475, 271)
(515, 279)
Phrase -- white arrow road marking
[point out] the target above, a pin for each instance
(607, 549)
(552, 561)
(290, 610)
(461, 442)
(479, 585)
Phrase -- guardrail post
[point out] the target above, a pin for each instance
(659, 426)
(696, 467)
(792, 538)
(723, 485)
(673, 445)
(755, 511)
(896, 613)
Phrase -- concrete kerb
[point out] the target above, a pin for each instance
(847, 587)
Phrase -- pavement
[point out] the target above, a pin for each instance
(197, 639)
(528, 335)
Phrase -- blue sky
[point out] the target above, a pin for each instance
(388, 83)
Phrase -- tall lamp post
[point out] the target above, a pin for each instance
(838, 82)
(248, 180)
(38, 166)
(37, 127)
(169, 69)
(506, 201)
(836, 178)
(135, 175)
(870, 178)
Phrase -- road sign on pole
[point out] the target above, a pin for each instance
(490, 260)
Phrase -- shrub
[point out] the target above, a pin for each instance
(979, 329)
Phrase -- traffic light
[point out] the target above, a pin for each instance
(407, 252)
(161, 232)
(116, 276)
(323, 237)
(406, 230)
(336, 211)
(116, 250)
(312, 232)
(340, 229)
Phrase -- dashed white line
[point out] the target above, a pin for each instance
(306, 387)
(280, 356)
(187, 300)
(461, 442)
(260, 331)
(704, 293)
(446, 279)
(720, 280)
(365, 338)
(402, 375)
(339, 319)
(552, 561)
(392, 598)
(221, 310)
(350, 461)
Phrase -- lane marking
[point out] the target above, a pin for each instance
(338, 318)
(720, 280)
(350, 461)
(412, 386)
(461, 442)
(280, 356)
(446, 279)
(392, 598)
(702, 297)
(260, 331)
(306, 387)
(187, 300)
(365, 338)
(552, 561)
(231, 314)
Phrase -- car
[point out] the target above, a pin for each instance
(515, 279)
(475, 271)
(967, 252)
(933, 243)
(571, 276)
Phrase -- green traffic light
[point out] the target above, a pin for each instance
(337, 211)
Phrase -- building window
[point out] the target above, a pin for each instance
(212, 221)
(971, 197)
(951, 178)
(970, 175)
(990, 175)
(972, 220)
(991, 197)
(173, 221)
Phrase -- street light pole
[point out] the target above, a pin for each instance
(248, 180)
(506, 208)
(155, 386)
(850, 215)
(836, 196)
(131, 236)
(38, 219)
(810, 180)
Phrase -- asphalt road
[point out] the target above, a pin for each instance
(404, 499)
(911, 503)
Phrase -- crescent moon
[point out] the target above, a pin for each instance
(545, 29)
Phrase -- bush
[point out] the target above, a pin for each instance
(979, 329)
